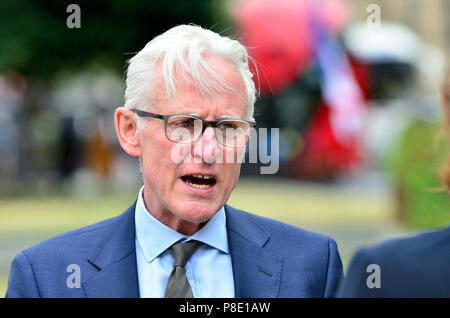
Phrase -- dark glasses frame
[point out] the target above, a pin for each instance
(205, 123)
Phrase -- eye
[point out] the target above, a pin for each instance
(228, 125)
(186, 123)
(183, 122)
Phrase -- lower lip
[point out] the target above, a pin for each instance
(199, 191)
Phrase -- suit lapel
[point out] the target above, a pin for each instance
(115, 259)
(256, 272)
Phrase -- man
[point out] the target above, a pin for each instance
(413, 266)
(187, 117)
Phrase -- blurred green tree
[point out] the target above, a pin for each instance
(36, 42)
(38, 50)
(414, 164)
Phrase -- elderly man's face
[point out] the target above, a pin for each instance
(171, 193)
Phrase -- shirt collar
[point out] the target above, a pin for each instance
(155, 237)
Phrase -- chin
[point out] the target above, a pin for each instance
(197, 213)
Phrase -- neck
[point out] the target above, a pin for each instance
(170, 220)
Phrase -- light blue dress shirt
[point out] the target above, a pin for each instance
(209, 270)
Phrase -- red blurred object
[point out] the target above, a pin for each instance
(285, 37)
(279, 38)
(361, 71)
(323, 157)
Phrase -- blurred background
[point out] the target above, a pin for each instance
(351, 84)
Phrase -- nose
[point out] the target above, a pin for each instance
(205, 147)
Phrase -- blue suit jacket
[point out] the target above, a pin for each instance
(269, 259)
(414, 266)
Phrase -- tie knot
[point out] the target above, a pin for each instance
(183, 251)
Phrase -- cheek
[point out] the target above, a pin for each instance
(232, 168)
(231, 179)
(157, 163)
(232, 156)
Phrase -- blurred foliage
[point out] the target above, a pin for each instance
(36, 41)
(415, 163)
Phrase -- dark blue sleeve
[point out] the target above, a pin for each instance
(22, 282)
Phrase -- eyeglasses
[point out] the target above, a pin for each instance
(186, 129)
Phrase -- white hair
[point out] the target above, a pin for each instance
(184, 47)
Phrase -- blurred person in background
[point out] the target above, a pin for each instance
(415, 266)
(189, 91)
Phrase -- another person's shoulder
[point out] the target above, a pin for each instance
(417, 245)
(415, 265)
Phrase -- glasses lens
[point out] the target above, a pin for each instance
(183, 129)
(232, 133)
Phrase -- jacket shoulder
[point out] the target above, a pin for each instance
(311, 265)
(280, 230)
(81, 238)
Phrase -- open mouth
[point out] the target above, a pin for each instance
(199, 181)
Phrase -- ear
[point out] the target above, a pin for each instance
(127, 131)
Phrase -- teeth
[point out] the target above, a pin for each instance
(199, 186)
(201, 176)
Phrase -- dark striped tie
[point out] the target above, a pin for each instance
(178, 285)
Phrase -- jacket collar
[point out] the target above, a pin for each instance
(115, 258)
